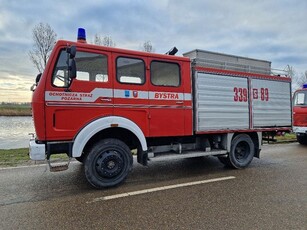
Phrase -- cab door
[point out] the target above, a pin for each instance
(89, 97)
(166, 99)
(131, 89)
(300, 108)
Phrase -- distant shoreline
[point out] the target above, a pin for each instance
(15, 111)
(15, 114)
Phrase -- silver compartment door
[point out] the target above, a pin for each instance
(271, 103)
(215, 106)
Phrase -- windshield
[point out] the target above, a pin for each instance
(300, 98)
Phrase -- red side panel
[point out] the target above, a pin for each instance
(300, 116)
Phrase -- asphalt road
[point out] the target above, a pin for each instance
(270, 194)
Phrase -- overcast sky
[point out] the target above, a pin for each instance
(273, 30)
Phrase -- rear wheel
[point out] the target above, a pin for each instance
(225, 160)
(108, 163)
(242, 151)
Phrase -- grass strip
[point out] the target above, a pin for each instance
(18, 157)
(13, 157)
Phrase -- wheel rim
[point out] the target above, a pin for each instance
(109, 164)
(242, 151)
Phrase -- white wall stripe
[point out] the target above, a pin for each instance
(166, 96)
(135, 94)
(118, 93)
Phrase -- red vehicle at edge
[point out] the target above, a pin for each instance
(300, 114)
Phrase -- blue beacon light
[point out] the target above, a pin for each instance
(305, 86)
(81, 35)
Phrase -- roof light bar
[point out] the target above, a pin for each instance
(81, 35)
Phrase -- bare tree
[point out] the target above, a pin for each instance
(290, 71)
(105, 41)
(147, 47)
(44, 39)
(97, 40)
(302, 79)
(297, 79)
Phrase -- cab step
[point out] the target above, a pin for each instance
(188, 154)
(58, 167)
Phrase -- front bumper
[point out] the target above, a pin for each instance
(299, 129)
(37, 152)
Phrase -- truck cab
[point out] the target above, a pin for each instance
(300, 114)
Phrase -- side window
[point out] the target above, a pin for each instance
(130, 70)
(90, 67)
(60, 73)
(165, 74)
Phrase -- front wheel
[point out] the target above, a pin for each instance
(108, 163)
(242, 151)
(302, 139)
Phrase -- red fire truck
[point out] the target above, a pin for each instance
(99, 104)
(300, 114)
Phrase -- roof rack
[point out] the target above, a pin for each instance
(203, 58)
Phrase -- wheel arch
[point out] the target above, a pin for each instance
(255, 136)
(114, 125)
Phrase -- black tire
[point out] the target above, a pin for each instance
(242, 151)
(225, 160)
(80, 159)
(108, 163)
(302, 139)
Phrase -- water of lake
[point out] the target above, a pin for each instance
(14, 132)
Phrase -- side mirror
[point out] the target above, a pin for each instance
(71, 51)
(38, 77)
(72, 69)
(71, 65)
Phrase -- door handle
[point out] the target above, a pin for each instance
(106, 99)
(179, 102)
